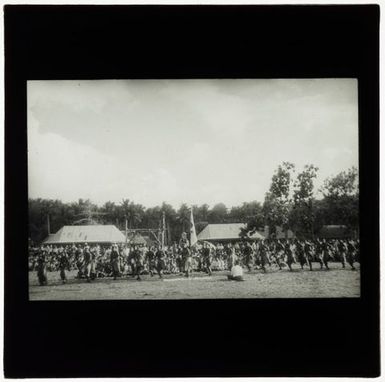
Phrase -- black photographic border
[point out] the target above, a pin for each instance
(270, 337)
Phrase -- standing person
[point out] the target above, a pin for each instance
(179, 260)
(131, 260)
(257, 261)
(172, 260)
(185, 254)
(71, 256)
(167, 259)
(87, 262)
(143, 248)
(63, 266)
(54, 253)
(176, 256)
(121, 258)
(221, 257)
(278, 255)
(324, 253)
(207, 258)
(42, 268)
(289, 255)
(231, 256)
(160, 261)
(299, 244)
(342, 249)
(187, 260)
(183, 242)
(150, 257)
(197, 258)
(126, 258)
(100, 263)
(139, 261)
(94, 256)
(263, 253)
(248, 256)
(106, 259)
(307, 248)
(350, 253)
(115, 261)
(79, 261)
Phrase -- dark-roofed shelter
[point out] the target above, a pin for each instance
(137, 239)
(225, 233)
(78, 234)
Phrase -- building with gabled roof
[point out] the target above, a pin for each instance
(79, 234)
(226, 232)
(230, 232)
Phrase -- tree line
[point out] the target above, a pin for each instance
(289, 203)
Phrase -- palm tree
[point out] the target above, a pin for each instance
(88, 212)
(132, 212)
(109, 208)
(136, 213)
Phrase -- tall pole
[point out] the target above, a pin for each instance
(126, 231)
(48, 226)
(168, 234)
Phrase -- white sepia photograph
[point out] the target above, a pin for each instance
(193, 189)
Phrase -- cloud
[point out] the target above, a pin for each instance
(177, 141)
(63, 169)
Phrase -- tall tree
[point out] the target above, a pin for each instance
(152, 217)
(183, 217)
(277, 204)
(170, 220)
(111, 212)
(245, 212)
(132, 212)
(203, 212)
(341, 196)
(218, 213)
(302, 213)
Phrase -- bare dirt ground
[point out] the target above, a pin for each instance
(336, 282)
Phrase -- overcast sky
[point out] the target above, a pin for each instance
(192, 141)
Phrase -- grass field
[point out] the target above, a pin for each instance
(336, 282)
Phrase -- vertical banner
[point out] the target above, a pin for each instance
(193, 234)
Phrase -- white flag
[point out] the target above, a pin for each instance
(193, 234)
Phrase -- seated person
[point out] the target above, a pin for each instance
(236, 272)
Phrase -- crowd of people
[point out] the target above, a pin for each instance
(124, 260)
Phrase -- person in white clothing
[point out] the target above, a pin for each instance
(236, 272)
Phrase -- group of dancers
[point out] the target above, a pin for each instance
(125, 260)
